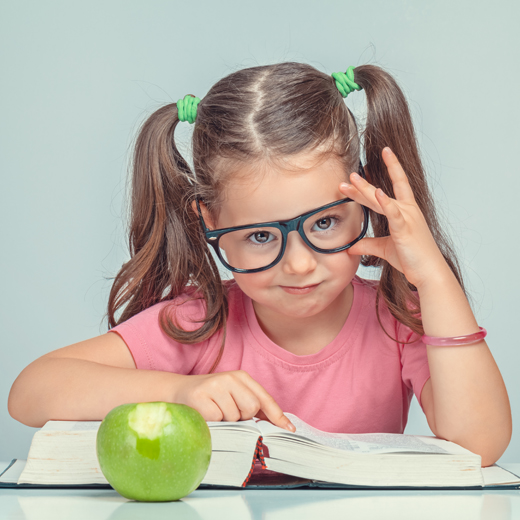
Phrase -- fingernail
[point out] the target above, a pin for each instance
(290, 426)
(355, 176)
(387, 148)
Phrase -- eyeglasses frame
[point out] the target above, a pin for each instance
(285, 227)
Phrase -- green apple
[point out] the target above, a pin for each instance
(154, 451)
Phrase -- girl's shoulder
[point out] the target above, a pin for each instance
(366, 284)
(365, 293)
(186, 309)
(368, 289)
(192, 293)
(191, 304)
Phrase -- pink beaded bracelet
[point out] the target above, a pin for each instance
(455, 341)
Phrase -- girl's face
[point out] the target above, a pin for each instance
(279, 195)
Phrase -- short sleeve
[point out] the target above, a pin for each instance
(152, 348)
(415, 370)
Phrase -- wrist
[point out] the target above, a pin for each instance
(455, 341)
(445, 310)
(172, 386)
(438, 278)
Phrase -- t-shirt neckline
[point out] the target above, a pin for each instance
(353, 324)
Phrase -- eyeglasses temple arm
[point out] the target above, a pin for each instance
(204, 227)
(362, 171)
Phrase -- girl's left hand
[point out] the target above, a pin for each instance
(410, 248)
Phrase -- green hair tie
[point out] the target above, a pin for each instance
(187, 108)
(345, 82)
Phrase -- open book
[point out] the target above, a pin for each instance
(257, 454)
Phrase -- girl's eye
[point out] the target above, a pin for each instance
(325, 223)
(260, 237)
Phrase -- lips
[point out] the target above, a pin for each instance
(299, 290)
(294, 287)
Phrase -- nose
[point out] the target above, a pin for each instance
(298, 258)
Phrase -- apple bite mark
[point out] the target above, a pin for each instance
(148, 422)
(149, 419)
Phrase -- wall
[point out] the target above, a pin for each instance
(79, 77)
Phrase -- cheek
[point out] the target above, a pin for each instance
(343, 268)
(342, 263)
(254, 281)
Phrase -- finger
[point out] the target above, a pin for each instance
(261, 415)
(362, 192)
(275, 414)
(396, 220)
(370, 246)
(268, 405)
(246, 402)
(401, 185)
(209, 410)
(228, 407)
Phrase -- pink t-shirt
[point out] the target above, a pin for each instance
(361, 382)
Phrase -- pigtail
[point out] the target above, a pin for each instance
(167, 249)
(389, 124)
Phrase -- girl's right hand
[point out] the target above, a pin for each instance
(230, 396)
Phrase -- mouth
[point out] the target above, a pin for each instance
(295, 287)
(299, 290)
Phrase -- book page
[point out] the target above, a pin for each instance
(12, 474)
(360, 443)
(249, 425)
(496, 476)
(68, 426)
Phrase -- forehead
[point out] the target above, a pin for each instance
(265, 193)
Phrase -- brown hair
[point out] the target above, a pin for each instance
(257, 115)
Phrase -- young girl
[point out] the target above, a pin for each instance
(274, 194)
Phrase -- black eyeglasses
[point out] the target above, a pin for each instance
(257, 247)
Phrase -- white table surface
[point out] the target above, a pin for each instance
(302, 504)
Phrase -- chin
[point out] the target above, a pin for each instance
(302, 308)
(300, 312)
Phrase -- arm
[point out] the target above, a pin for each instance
(84, 381)
(465, 399)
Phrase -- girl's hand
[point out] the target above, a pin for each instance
(410, 248)
(230, 396)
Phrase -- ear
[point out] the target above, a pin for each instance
(205, 214)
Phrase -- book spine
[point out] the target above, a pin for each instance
(258, 455)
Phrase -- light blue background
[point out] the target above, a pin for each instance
(77, 78)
